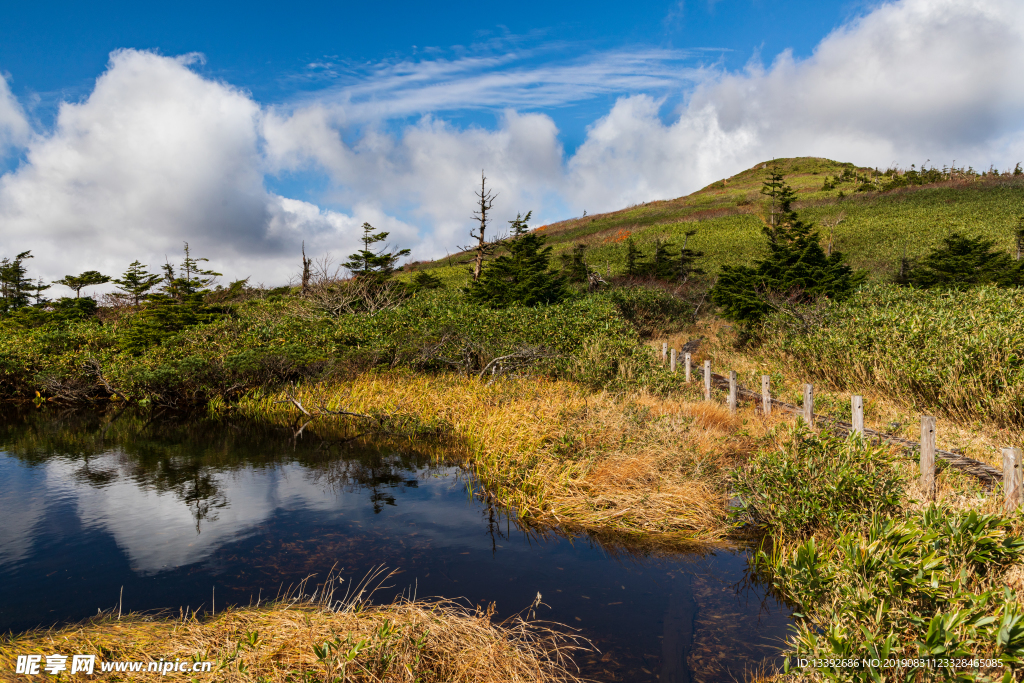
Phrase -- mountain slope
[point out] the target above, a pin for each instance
(875, 228)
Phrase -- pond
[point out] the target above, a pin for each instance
(164, 512)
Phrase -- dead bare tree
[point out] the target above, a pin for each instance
(485, 200)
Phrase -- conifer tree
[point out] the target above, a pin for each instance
(367, 263)
(662, 265)
(519, 227)
(635, 265)
(796, 266)
(962, 262)
(685, 266)
(136, 282)
(424, 280)
(15, 284)
(79, 282)
(519, 277)
(574, 267)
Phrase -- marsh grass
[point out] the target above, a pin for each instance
(323, 637)
(558, 453)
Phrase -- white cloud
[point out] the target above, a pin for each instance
(14, 128)
(911, 80)
(155, 156)
(158, 154)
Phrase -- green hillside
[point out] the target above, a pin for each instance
(878, 226)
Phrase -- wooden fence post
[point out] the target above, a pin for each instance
(928, 456)
(664, 352)
(672, 360)
(732, 391)
(1011, 477)
(707, 380)
(809, 405)
(687, 356)
(857, 406)
(766, 395)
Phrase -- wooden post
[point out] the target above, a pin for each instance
(664, 351)
(732, 391)
(1011, 477)
(687, 357)
(766, 395)
(707, 380)
(928, 456)
(809, 404)
(857, 406)
(672, 360)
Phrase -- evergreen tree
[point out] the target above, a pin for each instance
(79, 282)
(521, 276)
(15, 284)
(963, 262)
(179, 304)
(136, 282)
(662, 265)
(635, 265)
(37, 291)
(574, 267)
(796, 266)
(519, 226)
(366, 262)
(685, 265)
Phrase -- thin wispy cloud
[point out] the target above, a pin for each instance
(507, 80)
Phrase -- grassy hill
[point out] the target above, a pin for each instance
(877, 227)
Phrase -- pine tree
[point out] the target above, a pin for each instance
(136, 282)
(519, 226)
(796, 267)
(15, 284)
(367, 263)
(79, 282)
(962, 262)
(519, 277)
(685, 266)
(635, 265)
(662, 265)
(574, 267)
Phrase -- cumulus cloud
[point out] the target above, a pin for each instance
(158, 154)
(14, 128)
(910, 81)
(155, 156)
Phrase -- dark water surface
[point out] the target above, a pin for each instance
(180, 512)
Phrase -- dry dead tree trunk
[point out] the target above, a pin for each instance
(485, 200)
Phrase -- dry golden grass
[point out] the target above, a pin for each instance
(424, 641)
(557, 453)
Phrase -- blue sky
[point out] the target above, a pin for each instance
(126, 128)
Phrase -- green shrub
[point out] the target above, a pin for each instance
(651, 311)
(817, 482)
(925, 586)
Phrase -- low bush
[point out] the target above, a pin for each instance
(229, 349)
(927, 586)
(817, 482)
